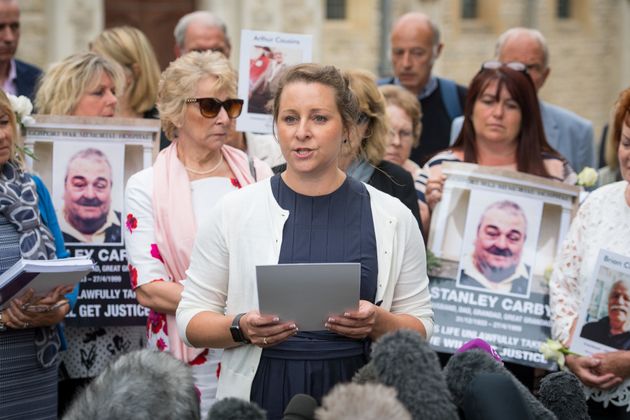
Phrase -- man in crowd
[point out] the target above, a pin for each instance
(613, 330)
(16, 77)
(415, 46)
(568, 133)
(87, 213)
(496, 263)
(201, 31)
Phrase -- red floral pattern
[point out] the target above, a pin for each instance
(131, 223)
(235, 182)
(156, 321)
(155, 252)
(133, 276)
(161, 345)
(199, 360)
(218, 369)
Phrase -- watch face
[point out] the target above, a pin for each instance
(236, 334)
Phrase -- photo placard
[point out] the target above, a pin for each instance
(495, 233)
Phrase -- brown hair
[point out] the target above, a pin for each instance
(531, 139)
(621, 116)
(408, 102)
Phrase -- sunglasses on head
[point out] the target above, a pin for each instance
(210, 107)
(514, 65)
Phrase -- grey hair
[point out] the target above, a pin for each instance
(143, 384)
(204, 17)
(532, 33)
(368, 401)
(89, 153)
(507, 205)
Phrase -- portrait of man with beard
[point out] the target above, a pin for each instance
(87, 198)
(495, 263)
(612, 330)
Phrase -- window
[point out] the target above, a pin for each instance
(335, 9)
(469, 9)
(563, 9)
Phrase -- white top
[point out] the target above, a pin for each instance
(603, 222)
(236, 236)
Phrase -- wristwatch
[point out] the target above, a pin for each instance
(3, 326)
(235, 330)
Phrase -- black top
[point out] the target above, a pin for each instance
(27, 77)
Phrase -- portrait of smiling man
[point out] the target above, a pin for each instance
(613, 330)
(495, 263)
(87, 214)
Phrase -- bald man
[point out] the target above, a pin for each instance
(415, 46)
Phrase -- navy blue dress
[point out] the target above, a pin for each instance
(336, 227)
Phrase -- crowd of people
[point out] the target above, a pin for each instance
(352, 174)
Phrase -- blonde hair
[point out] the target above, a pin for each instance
(16, 155)
(64, 84)
(408, 102)
(180, 79)
(130, 48)
(372, 104)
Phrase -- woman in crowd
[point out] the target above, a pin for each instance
(165, 203)
(311, 213)
(85, 84)
(29, 341)
(602, 223)
(363, 154)
(131, 49)
(611, 172)
(502, 128)
(404, 114)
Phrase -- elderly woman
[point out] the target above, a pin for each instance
(167, 202)
(131, 49)
(85, 84)
(502, 128)
(602, 223)
(364, 150)
(311, 213)
(29, 341)
(404, 114)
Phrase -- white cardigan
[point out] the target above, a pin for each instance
(245, 230)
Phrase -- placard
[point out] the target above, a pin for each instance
(85, 162)
(264, 56)
(495, 233)
(603, 324)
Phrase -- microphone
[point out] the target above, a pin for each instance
(462, 368)
(235, 409)
(354, 401)
(403, 360)
(562, 393)
(300, 407)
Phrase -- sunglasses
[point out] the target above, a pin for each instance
(210, 107)
(514, 65)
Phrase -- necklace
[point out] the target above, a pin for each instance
(209, 171)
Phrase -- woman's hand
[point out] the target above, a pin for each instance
(355, 324)
(588, 370)
(266, 330)
(433, 190)
(52, 308)
(616, 362)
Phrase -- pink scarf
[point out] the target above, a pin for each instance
(175, 226)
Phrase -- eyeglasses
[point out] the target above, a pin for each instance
(494, 65)
(210, 107)
(363, 118)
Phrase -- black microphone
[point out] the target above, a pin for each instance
(235, 409)
(404, 360)
(562, 393)
(463, 368)
(301, 407)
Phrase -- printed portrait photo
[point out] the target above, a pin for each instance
(88, 191)
(499, 245)
(607, 321)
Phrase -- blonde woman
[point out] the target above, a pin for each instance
(131, 49)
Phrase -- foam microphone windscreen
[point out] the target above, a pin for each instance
(370, 401)
(562, 393)
(235, 409)
(403, 360)
(462, 368)
(300, 407)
